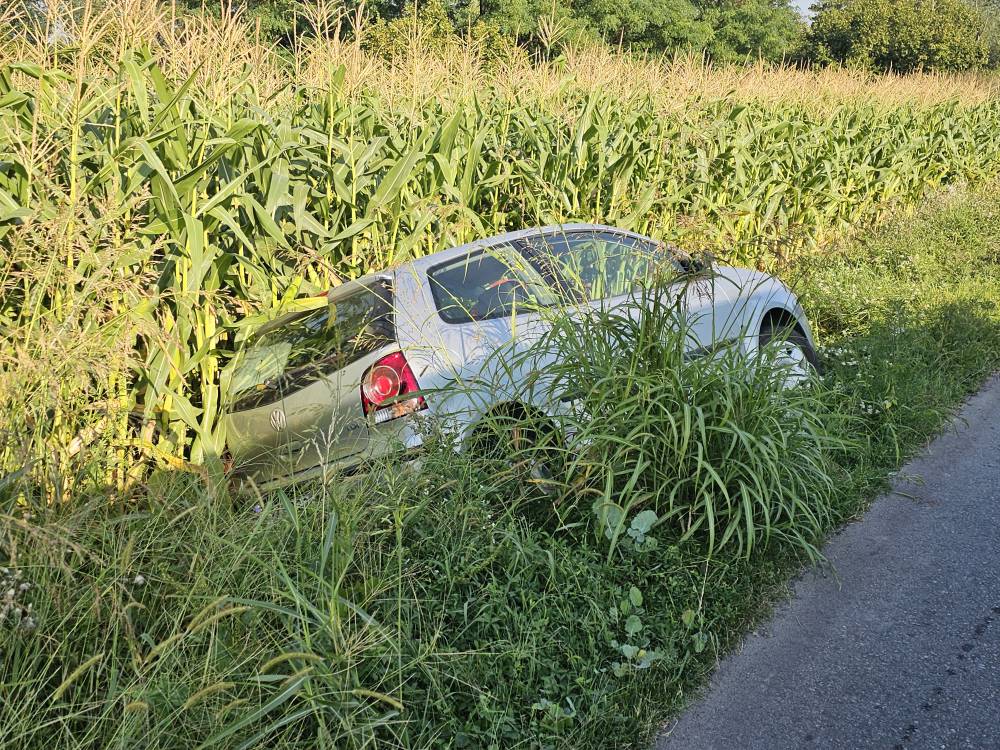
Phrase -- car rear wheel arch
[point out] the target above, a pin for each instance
(526, 441)
(511, 412)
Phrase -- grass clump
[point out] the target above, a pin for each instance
(717, 447)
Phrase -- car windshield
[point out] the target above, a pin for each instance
(593, 265)
(311, 344)
(487, 284)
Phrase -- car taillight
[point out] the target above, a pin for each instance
(383, 384)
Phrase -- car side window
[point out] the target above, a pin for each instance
(593, 265)
(487, 284)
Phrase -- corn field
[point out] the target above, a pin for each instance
(149, 201)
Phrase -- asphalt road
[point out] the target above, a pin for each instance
(899, 645)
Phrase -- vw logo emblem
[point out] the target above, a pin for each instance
(278, 420)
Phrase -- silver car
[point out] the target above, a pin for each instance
(328, 389)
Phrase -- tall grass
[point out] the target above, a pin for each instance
(725, 447)
(718, 447)
(440, 608)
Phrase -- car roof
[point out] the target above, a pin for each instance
(421, 264)
(502, 239)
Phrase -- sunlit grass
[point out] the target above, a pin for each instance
(453, 605)
(162, 177)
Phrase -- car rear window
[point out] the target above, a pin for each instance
(311, 344)
(487, 284)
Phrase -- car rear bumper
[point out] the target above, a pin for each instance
(400, 440)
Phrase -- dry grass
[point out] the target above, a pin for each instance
(223, 51)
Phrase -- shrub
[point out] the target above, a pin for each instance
(899, 35)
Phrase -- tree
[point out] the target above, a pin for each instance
(727, 29)
(655, 25)
(900, 35)
(646, 24)
(519, 19)
(771, 29)
(990, 12)
(275, 18)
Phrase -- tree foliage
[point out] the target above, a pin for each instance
(276, 19)
(646, 24)
(901, 35)
(770, 29)
(724, 29)
(989, 10)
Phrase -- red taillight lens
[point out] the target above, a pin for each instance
(382, 383)
(387, 379)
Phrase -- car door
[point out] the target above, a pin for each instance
(488, 307)
(605, 269)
